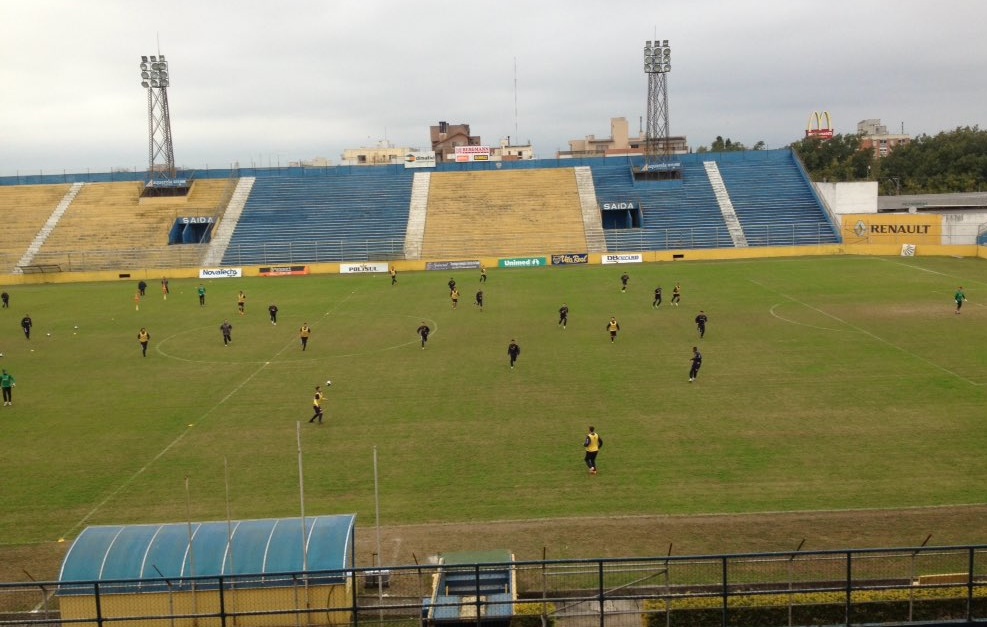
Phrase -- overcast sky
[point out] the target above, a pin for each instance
(278, 81)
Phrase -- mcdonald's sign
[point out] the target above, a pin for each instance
(820, 125)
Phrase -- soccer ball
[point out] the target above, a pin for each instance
(49, 335)
(328, 382)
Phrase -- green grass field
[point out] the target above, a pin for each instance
(827, 384)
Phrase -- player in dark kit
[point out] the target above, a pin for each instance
(273, 310)
(657, 302)
(317, 406)
(5, 297)
(227, 330)
(143, 337)
(479, 300)
(513, 351)
(451, 284)
(26, 324)
(592, 445)
(613, 326)
(624, 278)
(564, 315)
(423, 331)
(701, 320)
(697, 362)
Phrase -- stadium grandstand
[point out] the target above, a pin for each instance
(76, 222)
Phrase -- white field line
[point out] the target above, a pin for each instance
(868, 334)
(129, 480)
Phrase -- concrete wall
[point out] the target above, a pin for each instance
(137, 610)
(845, 198)
(864, 247)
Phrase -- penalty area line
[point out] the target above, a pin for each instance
(869, 334)
(129, 480)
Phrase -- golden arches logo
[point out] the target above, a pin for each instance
(819, 125)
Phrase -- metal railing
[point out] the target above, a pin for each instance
(920, 585)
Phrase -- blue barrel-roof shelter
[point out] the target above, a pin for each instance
(212, 568)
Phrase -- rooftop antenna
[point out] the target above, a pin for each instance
(515, 98)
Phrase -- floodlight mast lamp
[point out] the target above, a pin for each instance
(657, 65)
(161, 153)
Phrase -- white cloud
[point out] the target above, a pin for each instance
(256, 81)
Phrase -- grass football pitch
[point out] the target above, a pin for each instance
(828, 384)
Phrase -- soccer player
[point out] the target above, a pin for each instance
(701, 320)
(303, 334)
(241, 302)
(227, 330)
(613, 326)
(564, 315)
(5, 297)
(142, 286)
(676, 294)
(143, 337)
(452, 284)
(164, 288)
(657, 301)
(697, 362)
(592, 444)
(624, 278)
(479, 300)
(201, 291)
(137, 300)
(317, 406)
(513, 351)
(960, 298)
(7, 383)
(454, 295)
(423, 331)
(394, 275)
(26, 324)
(273, 310)
(483, 273)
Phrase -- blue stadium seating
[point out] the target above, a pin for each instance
(674, 214)
(773, 200)
(346, 214)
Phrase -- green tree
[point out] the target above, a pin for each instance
(724, 145)
(950, 162)
(839, 159)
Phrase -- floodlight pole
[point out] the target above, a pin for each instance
(160, 150)
(657, 65)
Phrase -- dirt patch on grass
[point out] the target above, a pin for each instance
(641, 536)
(621, 536)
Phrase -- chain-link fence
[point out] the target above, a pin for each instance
(887, 586)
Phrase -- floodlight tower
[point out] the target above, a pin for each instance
(160, 151)
(657, 65)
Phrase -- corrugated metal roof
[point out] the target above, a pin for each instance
(173, 551)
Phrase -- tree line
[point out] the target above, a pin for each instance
(949, 162)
